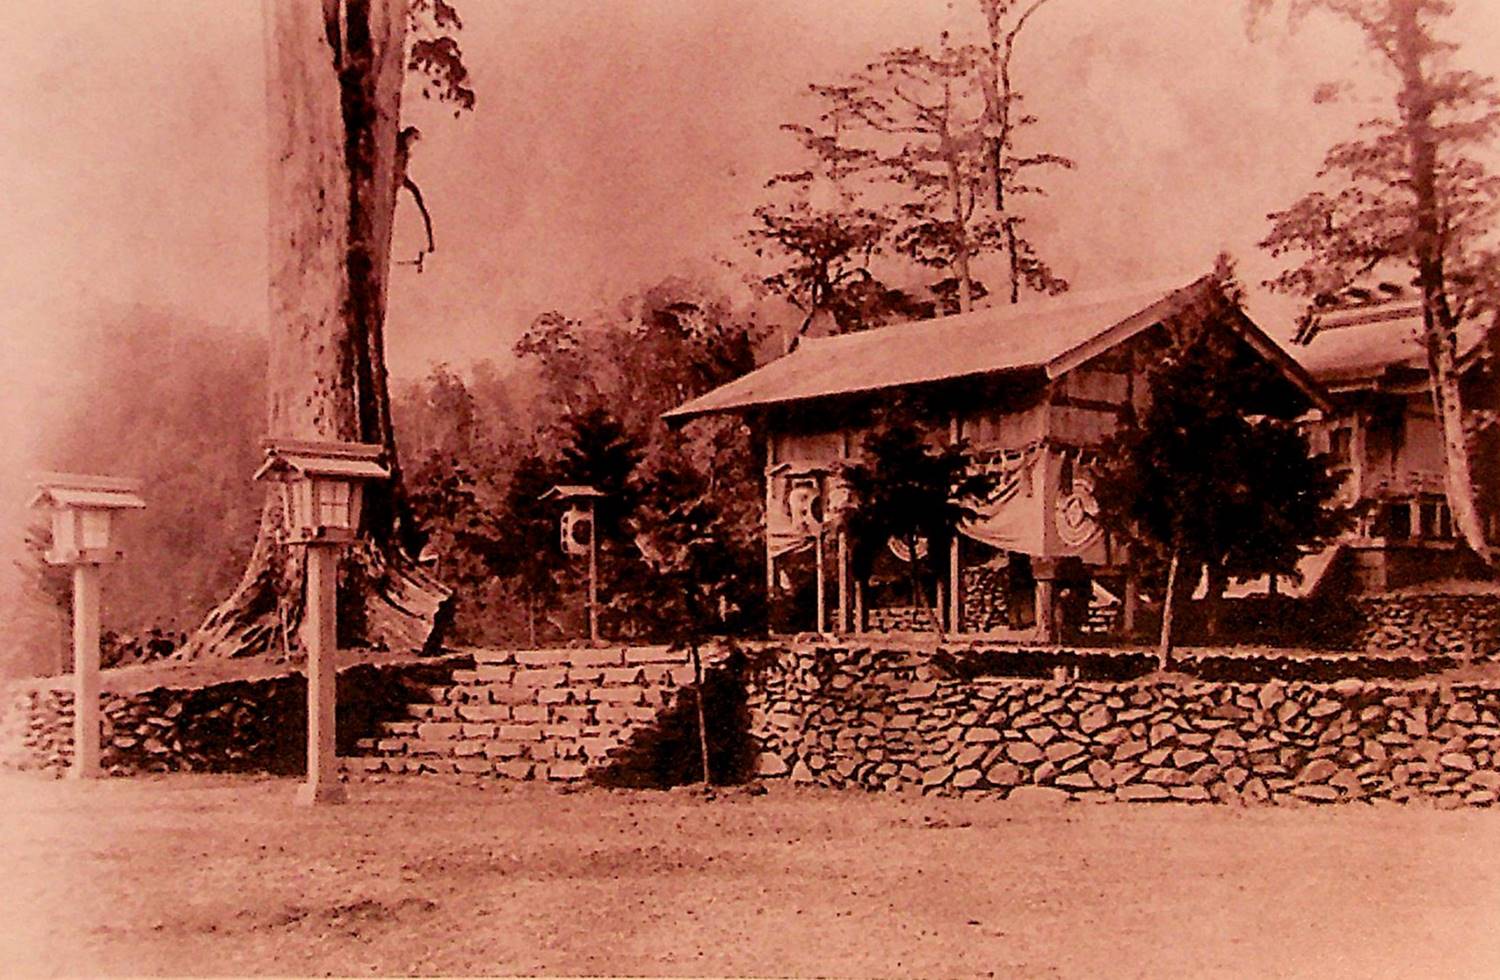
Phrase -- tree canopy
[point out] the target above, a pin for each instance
(1201, 480)
(1411, 196)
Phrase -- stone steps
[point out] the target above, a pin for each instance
(529, 714)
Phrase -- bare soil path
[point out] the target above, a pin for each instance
(195, 875)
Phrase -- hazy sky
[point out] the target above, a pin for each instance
(614, 142)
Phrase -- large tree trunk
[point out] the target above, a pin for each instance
(333, 75)
(960, 245)
(1438, 322)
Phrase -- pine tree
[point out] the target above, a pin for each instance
(1208, 477)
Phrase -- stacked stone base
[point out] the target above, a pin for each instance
(560, 715)
(889, 720)
(1465, 627)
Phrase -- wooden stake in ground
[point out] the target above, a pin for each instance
(333, 90)
(1168, 604)
(702, 714)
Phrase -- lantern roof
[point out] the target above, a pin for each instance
(81, 491)
(569, 491)
(291, 459)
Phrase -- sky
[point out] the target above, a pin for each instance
(613, 143)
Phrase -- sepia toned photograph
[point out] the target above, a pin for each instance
(750, 488)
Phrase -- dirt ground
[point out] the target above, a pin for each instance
(217, 875)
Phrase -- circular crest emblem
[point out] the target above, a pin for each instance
(1078, 515)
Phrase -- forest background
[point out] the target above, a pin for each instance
(602, 188)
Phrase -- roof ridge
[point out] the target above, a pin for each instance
(1059, 303)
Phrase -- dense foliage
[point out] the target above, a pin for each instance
(1204, 485)
(906, 488)
(582, 407)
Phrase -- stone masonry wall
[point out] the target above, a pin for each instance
(558, 715)
(984, 600)
(1460, 626)
(891, 719)
(236, 726)
(898, 619)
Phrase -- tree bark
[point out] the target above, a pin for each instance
(1439, 325)
(1168, 605)
(960, 242)
(702, 714)
(333, 75)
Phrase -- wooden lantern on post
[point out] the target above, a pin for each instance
(84, 510)
(322, 487)
(578, 536)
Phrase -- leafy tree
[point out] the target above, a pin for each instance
(1198, 482)
(567, 360)
(526, 547)
(599, 386)
(601, 453)
(1411, 190)
(921, 98)
(822, 240)
(907, 488)
(918, 148)
(335, 74)
(701, 568)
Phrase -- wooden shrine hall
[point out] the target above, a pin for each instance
(1034, 390)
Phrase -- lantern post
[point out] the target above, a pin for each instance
(83, 535)
(578, 533)
(322, 494)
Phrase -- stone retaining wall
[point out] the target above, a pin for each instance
(985, 602)
(236, 726)
(560, 715)
(898, 619)
(1460, 626)
(892, 719)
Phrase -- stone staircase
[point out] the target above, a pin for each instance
(556, 715)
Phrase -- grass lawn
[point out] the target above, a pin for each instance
(215, 875)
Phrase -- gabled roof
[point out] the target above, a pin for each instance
(1360, 345)
(288, 458)
(1050, 336)
(569, 491)
(85, 492)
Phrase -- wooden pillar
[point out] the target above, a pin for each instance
(320, 640)
(766, 530)
(1131, 599)
(819, 596)
(843, 624)
(955, 587)
(85, 672)
(593, 577)
(1046, 612)
(859, 606)
(955, 580)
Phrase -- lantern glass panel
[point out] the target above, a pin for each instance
(302, 512)
(64, 532)
(333, 501)
(95, 528)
